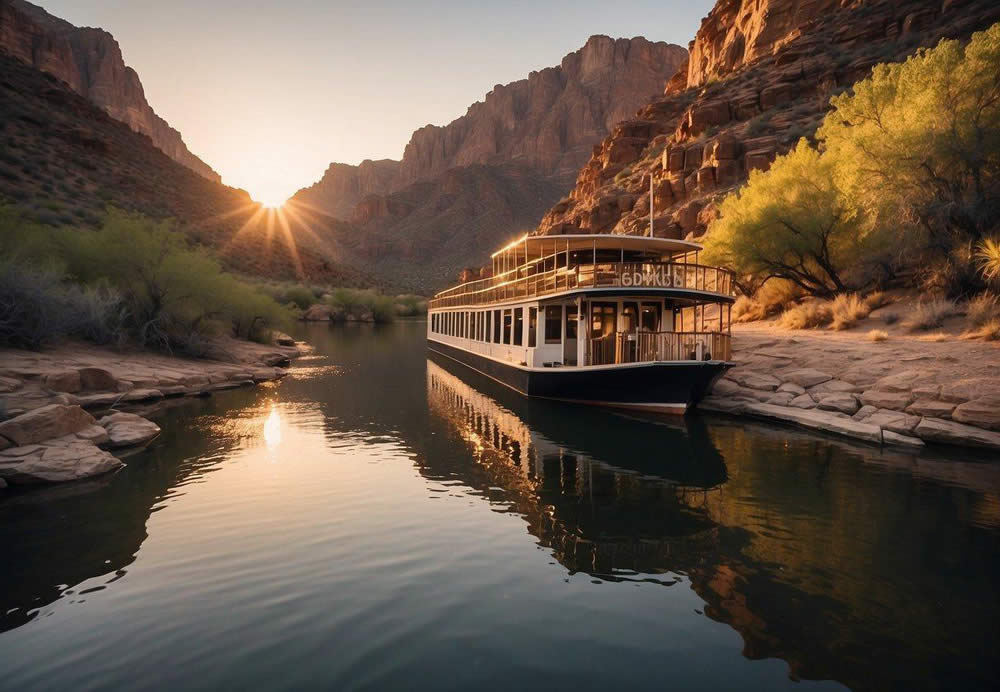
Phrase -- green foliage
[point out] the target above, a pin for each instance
(139, 280)
(795, 223)
(907, 169)
(919, 141)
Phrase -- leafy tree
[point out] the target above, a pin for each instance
(919, 141)
(794, 222)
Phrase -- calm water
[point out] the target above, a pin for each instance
(379, 520)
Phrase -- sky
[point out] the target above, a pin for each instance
(269, 93)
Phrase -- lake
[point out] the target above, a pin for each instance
(381, 520)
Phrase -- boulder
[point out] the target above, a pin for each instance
(128, 429)
(792, 388)
(98, 400)
(864, 412)
(803, 401)
(282, 339)
(318, 313)
(44, 423)
(931, 407)
(843, 402)
(984, 413)
(781, 398)
(833, 387)
(968, 389)
(950, 432)
(900, 382)
(63, 381)
(58, 460)
(755, 380)
(806, 377)
(897, 440)
(819, 420)
(95, 434)
(97, 379)
(895, 421)
(896, 401)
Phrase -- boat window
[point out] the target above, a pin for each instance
(571, 320)
(518, 326)
(532, 326)
(496, 326)
(603, 316)
(506, 326)
(649, 319)
(553, 324)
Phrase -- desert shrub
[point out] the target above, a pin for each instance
(848, 309)
(105, 315)
(983, 309)
(36, 307)
(937, 338)
(794, 222)
(409, 305)
(988, 258)
(890, 317)
(769, 300)
(359, 303)
(809, 315)
(931, 314)
(952, 273)
(296, 294)
(758, 125)
(988, 331)
(878, 335)
(878, 299)
(623, 173)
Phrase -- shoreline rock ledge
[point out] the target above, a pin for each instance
(47, 435)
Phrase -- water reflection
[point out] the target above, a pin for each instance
(806, 546)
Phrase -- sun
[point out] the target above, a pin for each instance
(272, 201)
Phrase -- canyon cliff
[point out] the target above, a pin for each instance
(759, 76)
(462, 188)
(90, 62)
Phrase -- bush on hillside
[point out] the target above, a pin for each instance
(809, 315)
(134, 279)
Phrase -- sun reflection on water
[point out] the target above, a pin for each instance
(272, 428)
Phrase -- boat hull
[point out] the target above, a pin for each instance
(662, 387)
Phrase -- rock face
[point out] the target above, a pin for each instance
(759, 77)
(62, 459)
(128, 429)
(465, 187)
(54, 420)
(90, 62)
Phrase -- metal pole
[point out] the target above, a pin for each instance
(651, 203)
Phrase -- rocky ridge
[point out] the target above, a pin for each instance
(90, 62)
(759, 77)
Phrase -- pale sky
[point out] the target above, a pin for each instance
(270, 92)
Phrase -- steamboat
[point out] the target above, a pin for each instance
(610, 320)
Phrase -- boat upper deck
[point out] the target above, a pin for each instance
(538, 266)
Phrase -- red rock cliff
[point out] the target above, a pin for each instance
(90, 62)
(546, 123)
(760, 76)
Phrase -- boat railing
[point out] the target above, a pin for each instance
(520, 283)
(644, 347)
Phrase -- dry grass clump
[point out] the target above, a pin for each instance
(848, 309)
(990, 331)
(936, 338)
(769, 300)
(807, 316)
(931, 314)
(878, 299)
(878, 335)
(983, 309)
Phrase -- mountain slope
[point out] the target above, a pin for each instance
(463, 188)
(63, 159)
(760, 76)
(90, 62)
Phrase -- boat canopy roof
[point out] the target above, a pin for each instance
(532, 246)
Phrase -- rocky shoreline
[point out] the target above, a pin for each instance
(905, 394)
(59, 409)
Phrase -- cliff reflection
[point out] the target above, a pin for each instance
(809, 548)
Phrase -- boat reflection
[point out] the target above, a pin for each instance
(812, 549)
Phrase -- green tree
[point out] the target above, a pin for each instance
(919, 141)
(794, 222)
